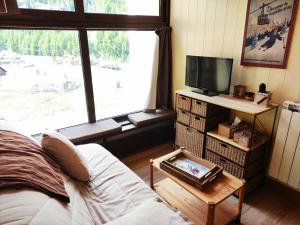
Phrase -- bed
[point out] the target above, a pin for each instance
(113, 193)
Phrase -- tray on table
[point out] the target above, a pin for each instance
(195, 171)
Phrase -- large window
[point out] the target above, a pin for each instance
(128, 7)
(61, 5)
(121, 64)
(68, 62)
(41, 82)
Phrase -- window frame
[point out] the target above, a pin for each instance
(79, 19)
(83, 22)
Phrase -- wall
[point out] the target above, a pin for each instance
(216, 28)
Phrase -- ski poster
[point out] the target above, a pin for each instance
(268, 32)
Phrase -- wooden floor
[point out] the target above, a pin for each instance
(272, 204)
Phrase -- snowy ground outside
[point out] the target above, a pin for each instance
(33, 92)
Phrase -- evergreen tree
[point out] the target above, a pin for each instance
(107, 45)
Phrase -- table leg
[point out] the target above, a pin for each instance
(241, 200)
(210, 214)
(151, 174)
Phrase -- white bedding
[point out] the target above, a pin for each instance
(113, 192)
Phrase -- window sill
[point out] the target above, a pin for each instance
(87, 132)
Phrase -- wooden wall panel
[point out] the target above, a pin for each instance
(200, 25)
(191, 27)
(230, 27)
(219, 27)
(209, 27)
(238, 41)
(275, 81)
(215, 28)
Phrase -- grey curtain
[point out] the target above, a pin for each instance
(164, 79)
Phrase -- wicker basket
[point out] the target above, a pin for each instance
(234, 169)
(199, 107)
(206, 109)
(198, 122)
(183, 117)
(184, 102)
(189, 138)
(207, 124)
(234, 154)
(228, 166)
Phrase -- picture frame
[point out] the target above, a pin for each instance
(268, 32)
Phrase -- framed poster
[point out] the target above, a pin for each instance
(268, 32)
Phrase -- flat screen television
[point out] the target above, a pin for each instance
(211, 76)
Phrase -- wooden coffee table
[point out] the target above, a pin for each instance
(209, 207)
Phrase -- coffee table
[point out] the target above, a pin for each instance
(209, 207)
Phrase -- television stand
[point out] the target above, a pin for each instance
(198, 117)
(205, 92)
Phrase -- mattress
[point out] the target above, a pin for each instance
(114, 191)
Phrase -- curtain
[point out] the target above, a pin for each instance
(150, 106)
(164, 77)
(2, 7)
(9, 6)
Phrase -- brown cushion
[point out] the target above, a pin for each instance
(25, 164)
(143, 118)
(65, 153)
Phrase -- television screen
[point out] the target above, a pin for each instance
(207, 73)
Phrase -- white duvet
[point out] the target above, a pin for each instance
(114, 192)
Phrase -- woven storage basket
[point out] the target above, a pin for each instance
(198, 122)
(207, 124)
(183, 117)
(184, 102)
(228, 166)
(234, 154)
(199, 107)
(189, 138)
(206, 109)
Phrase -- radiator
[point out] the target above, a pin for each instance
(285, 160)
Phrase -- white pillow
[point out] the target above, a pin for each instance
(150, 213)
(9, 126)
(66, 154)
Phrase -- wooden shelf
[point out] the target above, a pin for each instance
(215, 134)
(229, 102)
(192, 207)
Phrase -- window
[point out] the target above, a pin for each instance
(68, 62)
(61, 5)
(41, 81)
(128, 7)
(121, 64)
